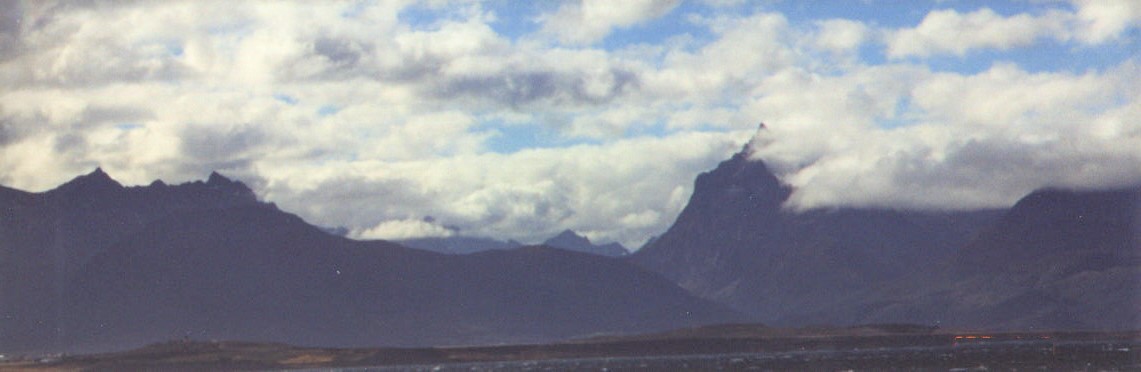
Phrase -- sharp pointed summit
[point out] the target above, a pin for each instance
(218, 179)
(96, 181)
(758, 140)
(98, 175)
(1057, 259)
(735, 243)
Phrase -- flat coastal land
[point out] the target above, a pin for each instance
(725, 347)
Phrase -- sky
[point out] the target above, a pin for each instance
(518, 119)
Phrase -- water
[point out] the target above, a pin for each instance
(1110, 356)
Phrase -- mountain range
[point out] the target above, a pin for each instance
(572, 241)
(458, 244)
(92, 265)
(1058, 259)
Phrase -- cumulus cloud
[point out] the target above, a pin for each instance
(622, 191)
(948, 31)
(841, 35)
(403, 229)
(1100, 21)
(1006, 133)
(951, 32)
(370, 115)
(588, 21)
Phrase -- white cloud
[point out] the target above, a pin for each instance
(1008, 98)
(589, 21)
(351, 116)
(403, 229)
(1005, 133)
(622, 191)
(1101, 20)
(947, 31)
(841, 35)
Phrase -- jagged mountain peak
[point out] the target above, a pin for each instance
(218, 179)
(98, 176)
(761, 138)
(106, 271)
(96, 181)
(98, 188)
(743, 181)
(1056, 259)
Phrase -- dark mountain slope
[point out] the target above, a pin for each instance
(22, 275)
(732, 206)
(207, 261)
(733, 243)
(1057, 259)
(255, 273)
(1063, 231)
(46, 237)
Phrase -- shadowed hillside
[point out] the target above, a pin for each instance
(95, 266)
(1057, 259)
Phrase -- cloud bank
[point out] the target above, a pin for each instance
(520, 121)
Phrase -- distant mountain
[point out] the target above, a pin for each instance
(1057, 259)
(93, 265)
(1059, 256)
(458, 244)
(572, 241)
(568, 240)
(733, 243)
(1064, 231)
